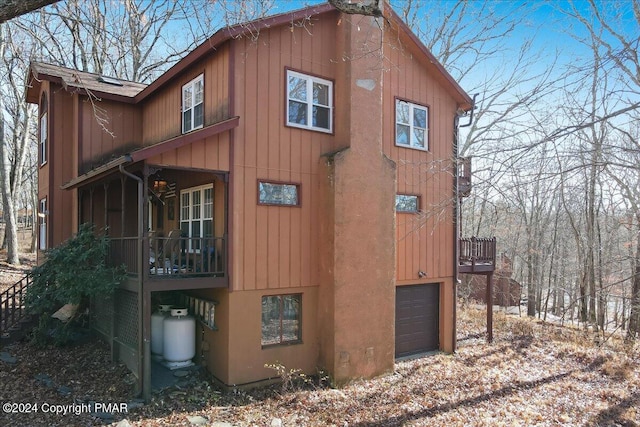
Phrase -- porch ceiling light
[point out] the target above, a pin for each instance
(160, 186)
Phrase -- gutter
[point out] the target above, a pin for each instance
(457, 223)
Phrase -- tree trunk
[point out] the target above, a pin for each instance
(634, 317)
(11, 226)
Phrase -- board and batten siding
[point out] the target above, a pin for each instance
(277, 246)
(425, 241)
(162, 116)
(108, 129)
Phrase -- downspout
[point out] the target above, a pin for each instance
(457, 221)
(145, 348)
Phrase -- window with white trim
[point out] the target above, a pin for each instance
(196, 215)
(42, 216)
(412, 125)
(281, 315)
(44, 131)
(309, 102)
(193, 104)
(407, 203)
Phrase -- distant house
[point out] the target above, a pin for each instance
(292, 177)
(507, 290)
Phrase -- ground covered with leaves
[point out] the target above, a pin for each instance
(533, 374)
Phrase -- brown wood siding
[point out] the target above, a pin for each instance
(211, 153)
(120, 132)
(162, 115)
(425, 241)
(61, 165)
(276, 246)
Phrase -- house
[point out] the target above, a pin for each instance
(308, 162)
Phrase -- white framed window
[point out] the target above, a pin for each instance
(196, 215)
(193, 104)
(309, 102)
(412, 125)
(44, 131)
(407, 203)
(281, 317)
(42, 216)
(276, 193)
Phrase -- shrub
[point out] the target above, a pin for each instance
(72, 273)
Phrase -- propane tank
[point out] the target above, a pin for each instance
(179, 345)
(157, 329)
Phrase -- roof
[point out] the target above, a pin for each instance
(80, 81)
(136, 92)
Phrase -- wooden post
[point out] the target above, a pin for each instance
(490, 307)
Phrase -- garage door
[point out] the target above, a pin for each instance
(417, 319)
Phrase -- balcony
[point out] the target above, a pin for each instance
(477, 255)
(464, 176)
(173, 262)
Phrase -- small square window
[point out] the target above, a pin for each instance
(309, 102)
(281, 315)
(407, 203)
(270, 193)
(412, 125)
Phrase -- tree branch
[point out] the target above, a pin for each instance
(11, 8)
(366, 7)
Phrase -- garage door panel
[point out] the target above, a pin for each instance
(417, 317)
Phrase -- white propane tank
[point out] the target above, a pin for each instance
(157, 330)
(179, 339)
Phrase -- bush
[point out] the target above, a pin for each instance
(73, 273)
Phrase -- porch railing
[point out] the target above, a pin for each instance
(172, 257)
(12, 309)
(477, 254)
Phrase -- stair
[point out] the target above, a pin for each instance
(15, 322)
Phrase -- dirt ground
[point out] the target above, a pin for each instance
(10, 274)
(533, 374)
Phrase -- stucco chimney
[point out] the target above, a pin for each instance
(357, 295)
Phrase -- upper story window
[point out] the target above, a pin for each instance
(193, 104)
(407, 203)
(44, 131)
(309, 102)
(412, 125)
(271, 193)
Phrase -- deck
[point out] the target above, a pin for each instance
(477, 255)
(172, 262)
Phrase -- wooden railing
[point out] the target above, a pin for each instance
(12, 309)
(124, 251)
(477, 255)
(172, 257)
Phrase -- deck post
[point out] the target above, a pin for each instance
(490, 307)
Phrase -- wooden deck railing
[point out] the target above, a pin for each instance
(477, 255)
(172, 257)
(12, 309)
